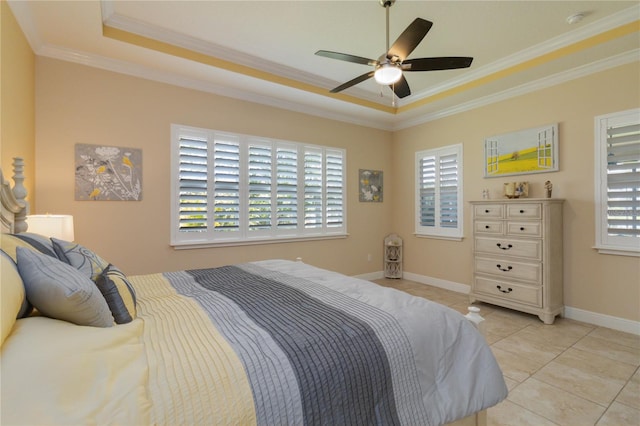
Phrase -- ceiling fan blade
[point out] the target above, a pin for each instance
(401, 88)
(409, 39)
(346, 57)
(436, 64)
(353, 82)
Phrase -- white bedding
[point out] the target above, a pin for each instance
(176, 364)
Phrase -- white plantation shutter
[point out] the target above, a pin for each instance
(449, 189)
(313, 209)
(439, 192)
(259, 184)
(618, 182)
(193, 184)
(334, 172)
(427, 190)
(226, 184)
(287, 188)
(233, 188)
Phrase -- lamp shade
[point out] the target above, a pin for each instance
(51, 225)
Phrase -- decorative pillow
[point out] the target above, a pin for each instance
(39, 242)
(9, 243)
(80, 258)
(60, 291)
(12, 296)
(119, 294)
(31, 241)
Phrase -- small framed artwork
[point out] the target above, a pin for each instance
(371, 185)
(108, 173)
(524, 152)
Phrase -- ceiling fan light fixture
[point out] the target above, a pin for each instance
(387, 74)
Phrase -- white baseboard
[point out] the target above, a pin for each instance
(602, 320)
(594, 318)
(437, 282)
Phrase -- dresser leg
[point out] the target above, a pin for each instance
(547, 318)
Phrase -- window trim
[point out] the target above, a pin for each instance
(438, 232)
(211, 238)
(604, 243)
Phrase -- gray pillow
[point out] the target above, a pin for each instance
(60, 291)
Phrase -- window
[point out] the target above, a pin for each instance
(617, 186)
(439, 192)
(233, 189)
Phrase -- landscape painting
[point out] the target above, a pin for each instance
(523, 152)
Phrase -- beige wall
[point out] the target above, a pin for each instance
(79, 104)
(17, 99)
(604, 284)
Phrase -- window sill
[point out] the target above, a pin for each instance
(210, 244)
(618, 251)
(439, 237)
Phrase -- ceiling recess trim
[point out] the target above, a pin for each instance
(624, 30)
(182, 52)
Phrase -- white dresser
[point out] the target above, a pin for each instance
(517, 246)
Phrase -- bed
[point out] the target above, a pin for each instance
(273, 342)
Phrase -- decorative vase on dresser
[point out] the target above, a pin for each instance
(517, 248)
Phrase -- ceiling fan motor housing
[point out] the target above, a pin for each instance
(387, 3)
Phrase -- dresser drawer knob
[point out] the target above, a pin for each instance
(522, 228)
(521, 211)
(507, 269)
(504, 248)
(508, 290)
(487, 227)
(487, 211)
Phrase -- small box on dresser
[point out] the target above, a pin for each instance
(517, 248)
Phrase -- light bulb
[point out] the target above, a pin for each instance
(387, 74)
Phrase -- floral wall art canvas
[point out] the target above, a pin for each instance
(108, 173)
(370, 187)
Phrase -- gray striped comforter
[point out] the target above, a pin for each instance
(319, 348)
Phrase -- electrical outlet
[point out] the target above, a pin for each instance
(369, 258)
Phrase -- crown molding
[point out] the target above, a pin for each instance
(394, 122)
(543, 83)
(134, 70)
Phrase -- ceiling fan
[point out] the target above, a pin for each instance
(389, 67)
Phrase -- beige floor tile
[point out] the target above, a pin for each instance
(590, 376)
(509, 414)
(555, 404)
(610, 349)
(564, 374)
(630, 394)
(531, 345)
(620, 415)
(510, 383)
(515, 367)
(619, 337)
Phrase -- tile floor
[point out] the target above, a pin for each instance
(568, 374)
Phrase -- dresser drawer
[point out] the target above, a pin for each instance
(488, 227)
(507, 269)
(529, 249)
(494, 211)
(524, 210)
(530, 295)
(529, 229)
